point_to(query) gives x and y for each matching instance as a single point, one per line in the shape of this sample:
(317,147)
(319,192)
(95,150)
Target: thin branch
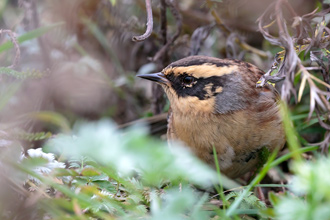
(198,37)
(254,50)
(163,29)
(175,11)
(150,24)
(163,21)
(158,100)
(324,145)
(16,46)
(307,41)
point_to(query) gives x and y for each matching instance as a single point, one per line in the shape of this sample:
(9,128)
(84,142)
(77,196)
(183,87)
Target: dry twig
(198,38)
(163,21)
(175,11)
(16,47)
(308,35)
(150,24)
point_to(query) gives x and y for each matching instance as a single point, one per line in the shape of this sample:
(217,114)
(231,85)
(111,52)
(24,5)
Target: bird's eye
(187,80)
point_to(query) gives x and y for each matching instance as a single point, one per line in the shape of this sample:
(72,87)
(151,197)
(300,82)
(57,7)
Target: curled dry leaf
(308,34)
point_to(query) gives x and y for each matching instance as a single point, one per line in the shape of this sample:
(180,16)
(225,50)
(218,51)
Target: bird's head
(200,84)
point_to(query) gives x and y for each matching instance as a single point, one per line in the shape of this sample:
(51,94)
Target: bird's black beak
(156,77)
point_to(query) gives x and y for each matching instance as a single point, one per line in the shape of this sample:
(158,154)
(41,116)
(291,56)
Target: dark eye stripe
(199,87)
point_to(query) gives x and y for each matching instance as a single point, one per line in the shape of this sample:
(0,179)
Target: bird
(214,103)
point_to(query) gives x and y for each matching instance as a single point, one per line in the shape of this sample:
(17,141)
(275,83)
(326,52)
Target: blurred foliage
(112,173)
(310,183)
(65,65)
(128,175)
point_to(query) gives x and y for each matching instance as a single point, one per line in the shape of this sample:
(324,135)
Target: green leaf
(273,198)
(29,36)
(141,209)
(249,201)
(105,185)
(175,204)
(268,213)
(131,152)
(55,205)
(89,172)
(113,2)
(64,172)
(89,190)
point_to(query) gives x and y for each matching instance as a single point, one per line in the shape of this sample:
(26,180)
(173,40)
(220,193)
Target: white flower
(46,168)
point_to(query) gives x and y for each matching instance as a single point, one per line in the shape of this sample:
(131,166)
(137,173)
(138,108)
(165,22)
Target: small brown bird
(215,102)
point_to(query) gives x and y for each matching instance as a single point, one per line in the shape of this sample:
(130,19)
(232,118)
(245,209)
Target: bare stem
(254,50)
(309,40)
(163,29)
(163,23)
(150,24)
(175,11)
(16,46)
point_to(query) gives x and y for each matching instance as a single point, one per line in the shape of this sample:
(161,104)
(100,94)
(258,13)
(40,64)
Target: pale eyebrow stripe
(206,70)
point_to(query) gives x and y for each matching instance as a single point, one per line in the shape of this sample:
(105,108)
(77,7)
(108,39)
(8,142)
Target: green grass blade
(220,191)
(271,163)
(234,206)
(29,36)
(81,197)
(289,155)
(290,132)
